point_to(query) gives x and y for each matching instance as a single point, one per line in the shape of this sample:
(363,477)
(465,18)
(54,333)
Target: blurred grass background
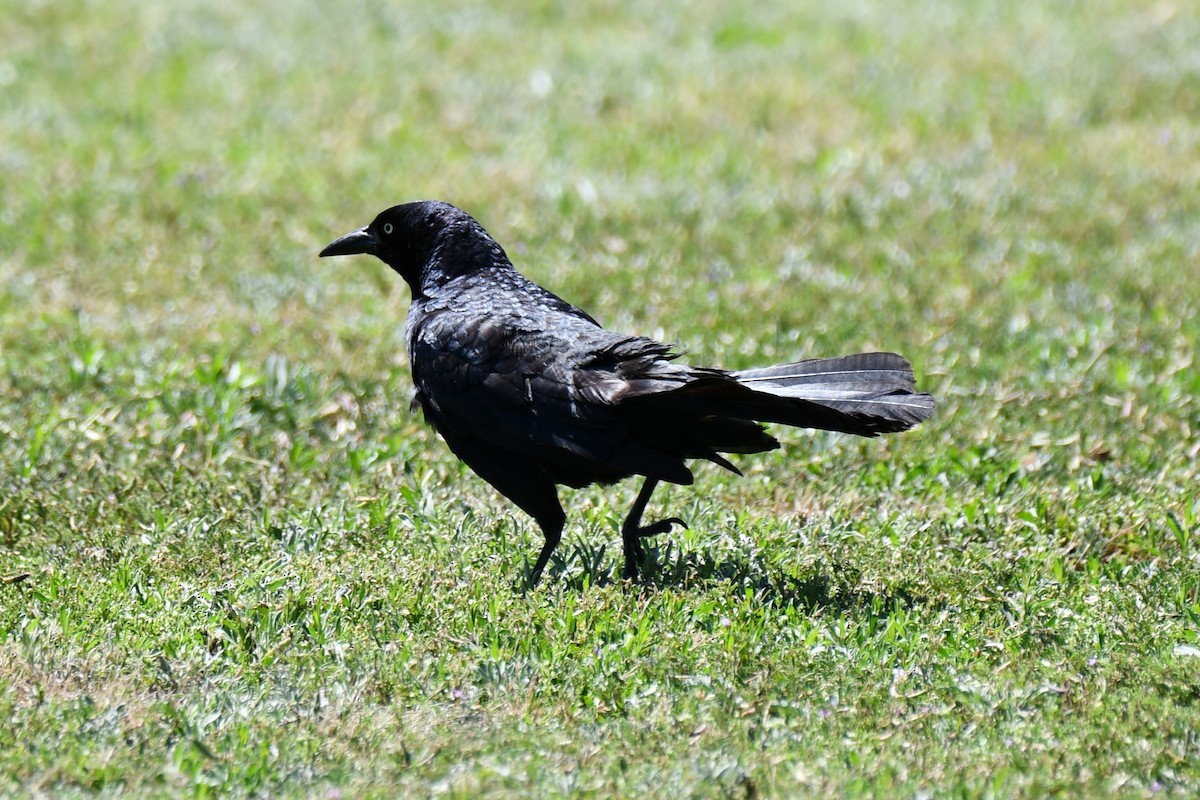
(233,562)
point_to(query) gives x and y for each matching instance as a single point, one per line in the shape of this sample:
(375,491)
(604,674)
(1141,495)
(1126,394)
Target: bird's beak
(353,243)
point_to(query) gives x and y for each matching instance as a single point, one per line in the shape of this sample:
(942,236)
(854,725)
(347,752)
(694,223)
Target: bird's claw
(633,545)
(662,526)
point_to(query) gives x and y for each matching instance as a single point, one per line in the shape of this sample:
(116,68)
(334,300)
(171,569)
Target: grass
(233,563)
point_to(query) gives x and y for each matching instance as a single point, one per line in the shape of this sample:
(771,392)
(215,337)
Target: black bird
(531,392)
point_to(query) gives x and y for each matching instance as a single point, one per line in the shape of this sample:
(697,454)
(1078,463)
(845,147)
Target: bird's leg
(632,530)
(551,525)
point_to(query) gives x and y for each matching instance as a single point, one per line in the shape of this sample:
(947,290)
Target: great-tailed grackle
(530,392)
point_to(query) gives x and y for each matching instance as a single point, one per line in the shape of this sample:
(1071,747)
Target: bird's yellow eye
(387,228)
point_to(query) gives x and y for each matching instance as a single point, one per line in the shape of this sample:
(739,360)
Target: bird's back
(507,365)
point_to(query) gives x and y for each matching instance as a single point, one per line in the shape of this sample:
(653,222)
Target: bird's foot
(662,526)
(632,536)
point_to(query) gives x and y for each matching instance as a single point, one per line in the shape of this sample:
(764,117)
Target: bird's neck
(453,259)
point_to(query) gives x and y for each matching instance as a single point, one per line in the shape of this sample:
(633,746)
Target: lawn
(233,562)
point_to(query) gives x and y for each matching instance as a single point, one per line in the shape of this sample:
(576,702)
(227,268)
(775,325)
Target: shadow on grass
(668,567)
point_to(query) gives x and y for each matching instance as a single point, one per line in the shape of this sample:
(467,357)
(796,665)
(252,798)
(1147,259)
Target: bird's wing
(524,390)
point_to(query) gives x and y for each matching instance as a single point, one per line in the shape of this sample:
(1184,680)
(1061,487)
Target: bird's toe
(662,526)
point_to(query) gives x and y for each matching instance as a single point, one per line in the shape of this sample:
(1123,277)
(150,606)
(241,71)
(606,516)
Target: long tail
(714,411)
(720,412)
(870,393)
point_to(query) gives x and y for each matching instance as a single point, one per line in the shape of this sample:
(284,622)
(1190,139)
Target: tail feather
(875,390)
(882,370)
(715,412)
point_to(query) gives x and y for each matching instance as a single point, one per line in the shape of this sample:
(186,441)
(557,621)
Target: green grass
(232,561)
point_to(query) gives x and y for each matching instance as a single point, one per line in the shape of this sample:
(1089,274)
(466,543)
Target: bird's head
(427,242)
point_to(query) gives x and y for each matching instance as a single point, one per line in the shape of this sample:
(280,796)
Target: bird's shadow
(669,567)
